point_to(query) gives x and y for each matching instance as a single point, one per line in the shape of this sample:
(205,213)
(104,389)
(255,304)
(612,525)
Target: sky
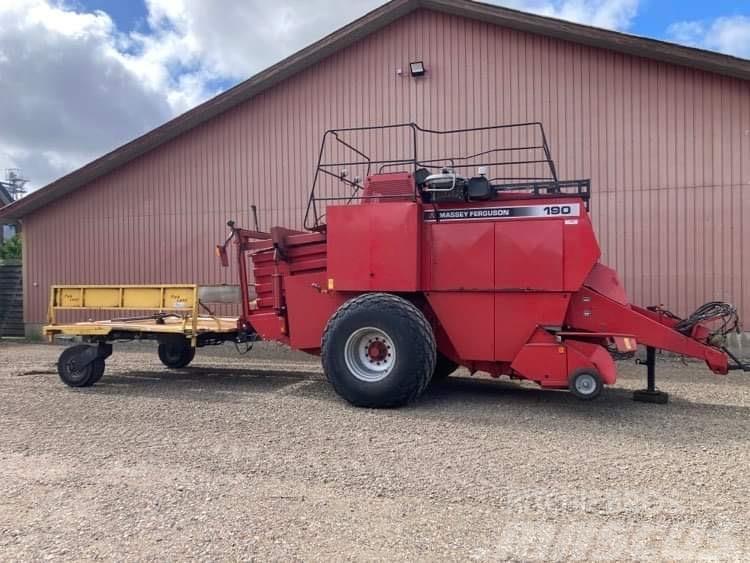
(81,77)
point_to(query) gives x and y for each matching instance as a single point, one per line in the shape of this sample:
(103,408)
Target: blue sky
(129,15)
(660,19)
(90,75)
(655,16)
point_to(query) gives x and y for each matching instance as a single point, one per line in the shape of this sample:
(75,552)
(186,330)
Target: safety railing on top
(519,158)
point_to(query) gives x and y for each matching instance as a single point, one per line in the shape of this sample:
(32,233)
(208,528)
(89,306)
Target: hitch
(739,365)
(651,394)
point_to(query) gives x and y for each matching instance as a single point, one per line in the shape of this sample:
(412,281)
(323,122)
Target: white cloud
(75,87)
(235,39)
(610,14)
(730,35)
(67,94)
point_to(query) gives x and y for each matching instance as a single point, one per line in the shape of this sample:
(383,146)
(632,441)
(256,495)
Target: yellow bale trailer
(176,315)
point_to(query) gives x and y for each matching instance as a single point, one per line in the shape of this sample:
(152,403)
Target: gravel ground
(238,458)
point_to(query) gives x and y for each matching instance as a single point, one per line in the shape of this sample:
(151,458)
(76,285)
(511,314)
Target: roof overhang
(373,21)
(5,198)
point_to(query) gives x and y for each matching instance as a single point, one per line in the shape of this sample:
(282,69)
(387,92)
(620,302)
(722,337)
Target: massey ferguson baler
(433,262)
(467,251)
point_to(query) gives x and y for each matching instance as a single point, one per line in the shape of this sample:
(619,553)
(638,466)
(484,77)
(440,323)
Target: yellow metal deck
(170,325)
(179,302)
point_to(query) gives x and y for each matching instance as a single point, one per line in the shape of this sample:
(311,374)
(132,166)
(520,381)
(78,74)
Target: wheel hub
(585,384)
(377,350)
(74,368)
(370,354)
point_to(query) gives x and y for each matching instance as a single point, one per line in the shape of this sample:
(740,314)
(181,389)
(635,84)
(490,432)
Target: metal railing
(535,155)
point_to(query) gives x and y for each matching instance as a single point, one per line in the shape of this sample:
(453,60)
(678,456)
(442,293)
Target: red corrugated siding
(667,148)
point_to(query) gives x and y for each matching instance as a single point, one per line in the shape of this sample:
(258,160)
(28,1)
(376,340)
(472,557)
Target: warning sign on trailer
(507,212)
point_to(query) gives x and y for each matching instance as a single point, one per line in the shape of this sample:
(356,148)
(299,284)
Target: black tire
(72,373)
(406,351)
(585,384)
(444,367)
(98,366)
(176,353)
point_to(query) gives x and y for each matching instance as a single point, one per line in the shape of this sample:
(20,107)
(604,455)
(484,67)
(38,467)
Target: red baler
(483,259)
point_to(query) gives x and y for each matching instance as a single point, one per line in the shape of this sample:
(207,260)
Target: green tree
(11,249)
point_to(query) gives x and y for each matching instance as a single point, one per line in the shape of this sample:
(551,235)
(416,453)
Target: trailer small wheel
(378,350)
(98,366)
(444,367)
(176,353)
(585,384)
(76,370)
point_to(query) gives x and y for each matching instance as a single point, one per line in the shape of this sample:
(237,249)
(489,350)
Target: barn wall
(667,149)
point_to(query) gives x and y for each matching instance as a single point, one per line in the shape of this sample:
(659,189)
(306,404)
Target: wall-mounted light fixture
(417,68)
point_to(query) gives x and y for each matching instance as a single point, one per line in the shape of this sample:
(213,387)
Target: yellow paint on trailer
(169,326)
(102,297)
(141,297)
(179,301)
(80,330)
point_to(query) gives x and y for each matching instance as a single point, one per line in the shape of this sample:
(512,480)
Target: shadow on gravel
(205,384)
(613,400)
(680,421)
(479,401)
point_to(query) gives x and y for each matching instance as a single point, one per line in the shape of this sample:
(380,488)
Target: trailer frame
(168,313)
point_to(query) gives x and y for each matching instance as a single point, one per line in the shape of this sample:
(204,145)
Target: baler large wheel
(378,351)
(176,353)
(444,367)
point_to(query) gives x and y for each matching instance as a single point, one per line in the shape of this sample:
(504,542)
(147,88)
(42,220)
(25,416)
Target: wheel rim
(585,384)
(173,354)
(370,354)
(74,371)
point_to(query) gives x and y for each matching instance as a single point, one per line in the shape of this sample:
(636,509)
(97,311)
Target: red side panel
(581,251)
(277,262)
(309,309)
(348,246)
(517,316)
(533,248)
(269,325)
(543,363)
(583,355)
(542,359)
(495,326)
(374,247)
(462,256)
(604,280)
(551,363)
(529,255)
(467,319)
